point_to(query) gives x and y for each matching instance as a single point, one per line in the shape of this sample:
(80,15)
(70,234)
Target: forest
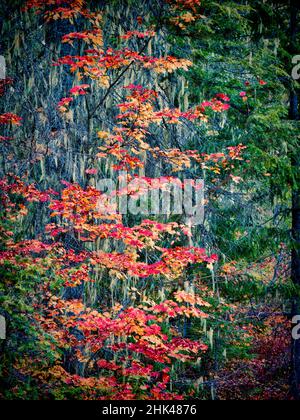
(149,200)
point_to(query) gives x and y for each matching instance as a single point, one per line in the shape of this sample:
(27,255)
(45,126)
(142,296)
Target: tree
(294,115)
(113,104)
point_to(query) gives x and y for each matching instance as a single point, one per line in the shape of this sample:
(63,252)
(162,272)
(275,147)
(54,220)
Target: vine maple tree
(112,302)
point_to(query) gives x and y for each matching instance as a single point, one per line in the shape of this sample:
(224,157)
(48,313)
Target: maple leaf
(79,90)
(9,118)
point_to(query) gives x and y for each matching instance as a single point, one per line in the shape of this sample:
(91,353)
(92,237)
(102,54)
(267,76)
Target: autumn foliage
(143,323)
